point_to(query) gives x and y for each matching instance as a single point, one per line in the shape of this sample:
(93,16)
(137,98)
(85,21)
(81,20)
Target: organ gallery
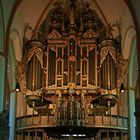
(70,76)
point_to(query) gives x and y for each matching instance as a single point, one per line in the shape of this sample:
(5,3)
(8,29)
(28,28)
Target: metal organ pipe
(107,70)
(35,66)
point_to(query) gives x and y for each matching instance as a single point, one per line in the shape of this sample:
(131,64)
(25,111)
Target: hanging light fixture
(122,88)
(17,88)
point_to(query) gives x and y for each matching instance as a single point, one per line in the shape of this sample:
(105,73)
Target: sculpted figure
(71,17)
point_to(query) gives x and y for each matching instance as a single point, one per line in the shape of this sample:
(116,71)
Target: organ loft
(70,76)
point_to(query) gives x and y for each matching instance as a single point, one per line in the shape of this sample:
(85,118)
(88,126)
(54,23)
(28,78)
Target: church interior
(69,70)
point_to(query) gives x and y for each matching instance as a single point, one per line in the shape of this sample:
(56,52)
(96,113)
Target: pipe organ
(70,77)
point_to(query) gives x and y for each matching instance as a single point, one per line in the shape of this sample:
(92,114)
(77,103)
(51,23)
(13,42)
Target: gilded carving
(35,51)
(37,92)
(87,42)
(54,35)
(21,74)
(90,34)
(122,70)
(105,51)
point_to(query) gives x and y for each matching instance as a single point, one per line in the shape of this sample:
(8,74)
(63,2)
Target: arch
(127,41)
(1,30)
(11,63)
(17,44)
(133,54)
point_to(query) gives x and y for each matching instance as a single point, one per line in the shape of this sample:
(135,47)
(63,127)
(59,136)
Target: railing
(107,121)
(35,121)
(94,121)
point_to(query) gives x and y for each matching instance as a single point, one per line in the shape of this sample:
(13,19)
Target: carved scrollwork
(37,92)
(105,51)
(90,34)
(122,70)
(36,51)
(54,35)
(21,68)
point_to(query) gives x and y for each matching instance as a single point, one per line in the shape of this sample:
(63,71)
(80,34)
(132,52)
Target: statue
(71,17)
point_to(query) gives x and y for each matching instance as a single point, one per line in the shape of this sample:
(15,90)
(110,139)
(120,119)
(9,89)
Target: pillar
(2,79)
(137,115)
(4,129)
(137,103)
(131,117)
(12,116)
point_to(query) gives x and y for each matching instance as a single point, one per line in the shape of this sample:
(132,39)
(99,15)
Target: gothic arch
(128,41)
(1,30)
(132,64)
(17,45)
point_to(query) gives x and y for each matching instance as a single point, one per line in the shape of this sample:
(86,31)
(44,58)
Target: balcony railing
(94,121)
(107,121)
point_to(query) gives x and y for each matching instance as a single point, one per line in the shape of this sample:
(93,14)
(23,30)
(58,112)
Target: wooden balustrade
(107,121)
(94,121)
(35,121)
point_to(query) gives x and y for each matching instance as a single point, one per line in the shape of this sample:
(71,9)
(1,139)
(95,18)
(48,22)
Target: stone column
(12,116)
(137,103)
(137,115)
(2,79)
(4,129)
(131,117)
